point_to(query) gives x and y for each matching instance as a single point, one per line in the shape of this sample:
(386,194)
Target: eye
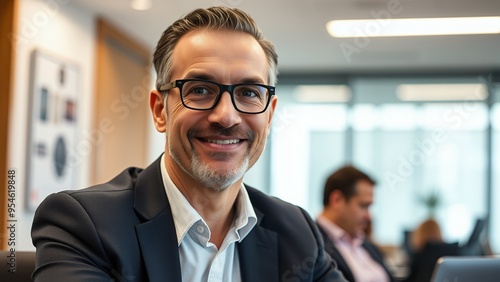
(249,91)
(199,90)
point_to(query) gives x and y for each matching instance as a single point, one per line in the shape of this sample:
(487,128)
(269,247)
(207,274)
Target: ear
(272,107)
(336,198)
(158,110)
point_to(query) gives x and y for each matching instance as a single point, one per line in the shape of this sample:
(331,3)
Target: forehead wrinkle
(197,59)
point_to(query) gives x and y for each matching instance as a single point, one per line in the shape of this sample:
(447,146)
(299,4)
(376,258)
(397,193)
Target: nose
(224,113)
(368,216)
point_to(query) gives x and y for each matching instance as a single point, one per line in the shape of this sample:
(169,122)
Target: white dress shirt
(363,267)
(200,259)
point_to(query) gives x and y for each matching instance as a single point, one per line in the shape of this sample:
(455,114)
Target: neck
(329,215)
(217,208)
(332,217)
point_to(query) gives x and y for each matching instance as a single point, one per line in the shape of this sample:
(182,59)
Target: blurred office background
(420,114)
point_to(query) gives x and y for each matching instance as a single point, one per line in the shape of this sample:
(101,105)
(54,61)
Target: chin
(216,179)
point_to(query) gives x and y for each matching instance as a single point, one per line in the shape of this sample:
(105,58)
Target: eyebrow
(199,76)
(209,77)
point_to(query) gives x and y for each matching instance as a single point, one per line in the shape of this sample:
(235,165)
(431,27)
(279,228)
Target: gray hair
(214,18)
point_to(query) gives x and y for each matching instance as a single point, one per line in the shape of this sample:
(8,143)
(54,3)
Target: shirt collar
(185,216)
(246,218)
(336,233)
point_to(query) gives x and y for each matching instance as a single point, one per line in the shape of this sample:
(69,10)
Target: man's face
(216,147)
(354,213)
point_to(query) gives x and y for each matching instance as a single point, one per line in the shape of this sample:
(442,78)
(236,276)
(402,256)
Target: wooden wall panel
(8,20)
(121,104)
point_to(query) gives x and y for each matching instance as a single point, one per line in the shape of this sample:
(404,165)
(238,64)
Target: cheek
(174,114)
(174,109)
(356,213)
(259,128)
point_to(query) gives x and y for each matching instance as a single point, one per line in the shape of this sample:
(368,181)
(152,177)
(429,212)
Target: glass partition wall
(495,162)
(425,140)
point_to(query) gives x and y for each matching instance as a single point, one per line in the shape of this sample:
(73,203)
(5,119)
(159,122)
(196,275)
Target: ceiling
(297,28)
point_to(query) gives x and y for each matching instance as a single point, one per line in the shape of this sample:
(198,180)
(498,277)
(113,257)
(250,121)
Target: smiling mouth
(222,142)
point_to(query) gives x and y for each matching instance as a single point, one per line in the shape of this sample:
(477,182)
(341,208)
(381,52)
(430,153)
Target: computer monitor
(406,246)
(467,269)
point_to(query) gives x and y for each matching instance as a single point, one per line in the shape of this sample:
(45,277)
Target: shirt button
(200,229)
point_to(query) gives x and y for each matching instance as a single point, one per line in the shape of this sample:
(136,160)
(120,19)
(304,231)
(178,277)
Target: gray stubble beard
(213,179)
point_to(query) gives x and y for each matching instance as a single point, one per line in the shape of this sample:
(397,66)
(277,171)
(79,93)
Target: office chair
(23,264)
(423,262)
(476,245)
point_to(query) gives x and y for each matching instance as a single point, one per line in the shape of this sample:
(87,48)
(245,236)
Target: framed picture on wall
(53,124)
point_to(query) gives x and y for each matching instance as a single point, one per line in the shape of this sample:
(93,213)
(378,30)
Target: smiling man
(188,216)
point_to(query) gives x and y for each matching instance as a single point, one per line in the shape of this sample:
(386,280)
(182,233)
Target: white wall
(61,28)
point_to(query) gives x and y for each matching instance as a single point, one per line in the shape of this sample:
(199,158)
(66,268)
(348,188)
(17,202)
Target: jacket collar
(156,233)
(150,198)
(259,250)
(335,254)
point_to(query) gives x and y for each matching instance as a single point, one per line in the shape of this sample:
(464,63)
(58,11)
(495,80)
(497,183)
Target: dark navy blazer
(123,230)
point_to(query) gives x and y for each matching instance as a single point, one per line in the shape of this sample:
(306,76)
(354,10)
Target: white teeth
(223,142)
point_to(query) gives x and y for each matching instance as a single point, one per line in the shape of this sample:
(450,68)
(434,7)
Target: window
(414,149)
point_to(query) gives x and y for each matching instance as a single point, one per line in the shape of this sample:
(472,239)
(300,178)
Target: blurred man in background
(347,197)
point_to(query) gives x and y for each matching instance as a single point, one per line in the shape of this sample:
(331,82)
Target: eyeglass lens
(203,95)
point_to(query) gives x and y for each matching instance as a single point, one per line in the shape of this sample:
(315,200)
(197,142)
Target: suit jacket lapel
(258,254)
(376,256)
(334,253)
(371,252)
(156,235)
(340,261)
(159,249)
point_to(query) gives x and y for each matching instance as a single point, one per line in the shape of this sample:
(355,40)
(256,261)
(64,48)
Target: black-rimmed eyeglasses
(198,94)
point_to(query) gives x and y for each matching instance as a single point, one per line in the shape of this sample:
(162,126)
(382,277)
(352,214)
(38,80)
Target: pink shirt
(361,264)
